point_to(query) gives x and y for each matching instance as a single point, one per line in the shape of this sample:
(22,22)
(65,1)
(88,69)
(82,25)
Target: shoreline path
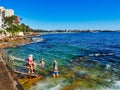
(6,80)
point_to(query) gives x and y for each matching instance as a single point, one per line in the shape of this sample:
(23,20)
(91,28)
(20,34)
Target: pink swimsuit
(29,60)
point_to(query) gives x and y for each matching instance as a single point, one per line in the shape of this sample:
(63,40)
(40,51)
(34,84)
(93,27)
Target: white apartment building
(1,17)
(5,13)
(0,21)
(1,9)
(9,12)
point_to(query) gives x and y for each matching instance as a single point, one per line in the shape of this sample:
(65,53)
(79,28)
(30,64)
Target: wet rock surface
(13,42)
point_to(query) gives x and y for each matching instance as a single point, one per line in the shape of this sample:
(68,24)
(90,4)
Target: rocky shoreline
(16,40)
(13,42)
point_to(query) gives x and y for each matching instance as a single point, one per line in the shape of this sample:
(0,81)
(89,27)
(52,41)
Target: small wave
(101,54)
(45,86)
(56,87)
(108,66)
(49,84)
(116,86)
(37,39)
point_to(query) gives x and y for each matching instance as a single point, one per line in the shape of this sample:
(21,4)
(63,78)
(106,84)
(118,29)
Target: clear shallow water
(95,50)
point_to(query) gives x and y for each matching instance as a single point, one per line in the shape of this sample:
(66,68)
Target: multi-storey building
(5,13)
(0,21)
(9,12)
(1,17)
(16,20)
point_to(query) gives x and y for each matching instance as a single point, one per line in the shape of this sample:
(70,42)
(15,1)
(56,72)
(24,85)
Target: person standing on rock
(30,63)
(55,68)
(34,66)
(42,64)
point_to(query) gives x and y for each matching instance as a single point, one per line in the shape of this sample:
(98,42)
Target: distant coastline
(72,31)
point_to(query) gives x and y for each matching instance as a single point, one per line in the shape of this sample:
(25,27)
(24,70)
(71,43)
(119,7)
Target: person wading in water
(55,68)
(30,63)
(42,64)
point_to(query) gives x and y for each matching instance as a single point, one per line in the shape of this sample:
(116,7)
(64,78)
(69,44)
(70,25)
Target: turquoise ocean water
(99,50)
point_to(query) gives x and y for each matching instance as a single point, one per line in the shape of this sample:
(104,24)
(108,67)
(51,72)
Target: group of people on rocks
(32,66)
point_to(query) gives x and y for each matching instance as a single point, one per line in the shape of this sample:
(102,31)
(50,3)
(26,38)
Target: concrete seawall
(7,81)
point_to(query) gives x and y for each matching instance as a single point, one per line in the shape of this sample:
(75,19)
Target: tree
(9,20)
(23,27)
(14,29)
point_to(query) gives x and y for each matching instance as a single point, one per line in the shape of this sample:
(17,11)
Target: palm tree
(20,19)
